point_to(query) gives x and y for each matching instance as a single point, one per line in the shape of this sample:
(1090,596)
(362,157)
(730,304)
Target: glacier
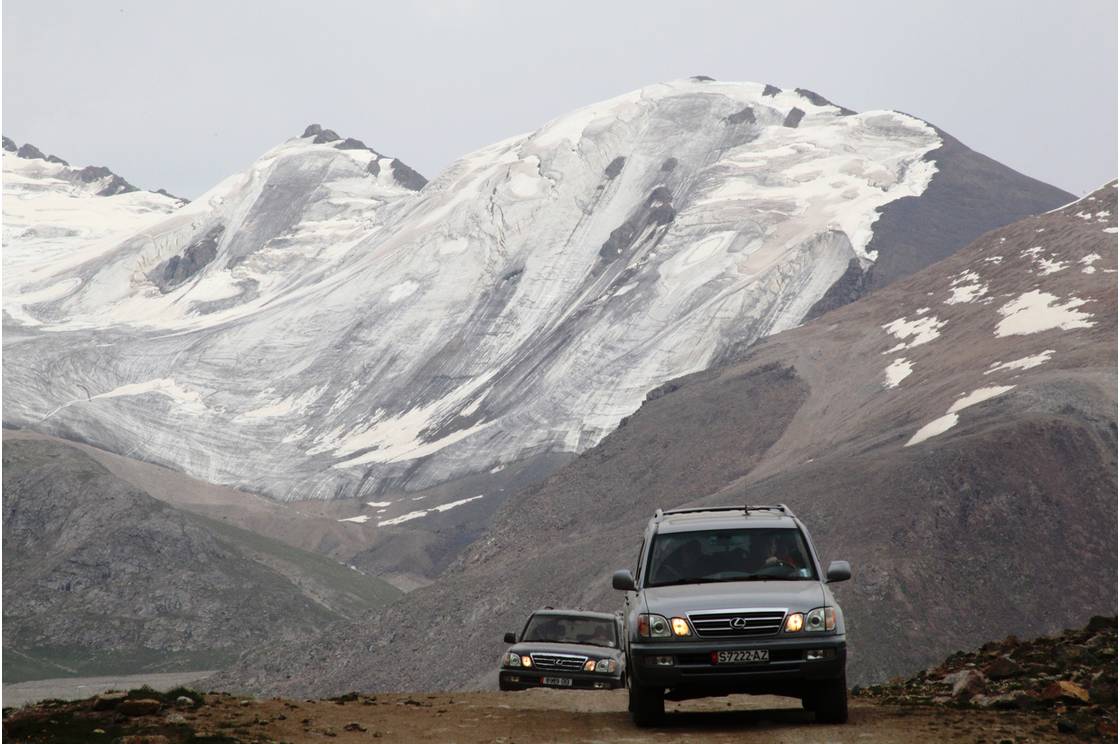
(326,325)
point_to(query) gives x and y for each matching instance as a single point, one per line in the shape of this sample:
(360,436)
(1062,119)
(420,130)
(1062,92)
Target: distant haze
(182,94)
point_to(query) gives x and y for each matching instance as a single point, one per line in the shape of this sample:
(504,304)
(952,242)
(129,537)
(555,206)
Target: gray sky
(180,94)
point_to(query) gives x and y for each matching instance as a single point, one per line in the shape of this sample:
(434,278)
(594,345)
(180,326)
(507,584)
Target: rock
(1102,690)
(139,707)
(793,118)
(326,135)
(108,700)
(407,177)
(30,152)
(56,159)
(184,702)
(352,144)
(354,726)
(9,145)
(1002,668)
(1065,690)
(312,130)
(99,731)
(245,703)
(968,685)
(144,739)
(1067,726)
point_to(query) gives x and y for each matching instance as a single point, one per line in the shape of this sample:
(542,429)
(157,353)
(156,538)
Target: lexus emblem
(739,623)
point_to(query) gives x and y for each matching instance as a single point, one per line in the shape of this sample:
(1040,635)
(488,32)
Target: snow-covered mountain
(320,325)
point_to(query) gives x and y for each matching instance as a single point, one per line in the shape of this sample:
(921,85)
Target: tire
(830,701)
(647,705)
(809,699)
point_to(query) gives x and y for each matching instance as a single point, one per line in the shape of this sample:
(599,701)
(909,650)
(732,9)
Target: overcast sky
(180,94)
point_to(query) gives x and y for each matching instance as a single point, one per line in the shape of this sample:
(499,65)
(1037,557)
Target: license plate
(753,656)
(557,681)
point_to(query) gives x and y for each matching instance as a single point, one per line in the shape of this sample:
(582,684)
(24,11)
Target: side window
(641,558)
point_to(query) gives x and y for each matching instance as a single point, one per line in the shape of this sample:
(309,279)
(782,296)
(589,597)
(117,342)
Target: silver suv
(732,600)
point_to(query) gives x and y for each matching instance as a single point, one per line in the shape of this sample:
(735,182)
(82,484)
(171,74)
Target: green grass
(27,664)
(357,593)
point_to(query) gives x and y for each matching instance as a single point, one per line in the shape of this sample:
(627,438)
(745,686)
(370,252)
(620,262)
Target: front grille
(718,624)
(558,662)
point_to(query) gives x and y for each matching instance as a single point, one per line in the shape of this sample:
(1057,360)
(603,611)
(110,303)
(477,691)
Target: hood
(796,596)
(572,649)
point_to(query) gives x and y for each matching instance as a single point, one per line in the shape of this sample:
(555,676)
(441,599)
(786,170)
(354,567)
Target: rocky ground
(532,716)
(1069,677)
(1056,688)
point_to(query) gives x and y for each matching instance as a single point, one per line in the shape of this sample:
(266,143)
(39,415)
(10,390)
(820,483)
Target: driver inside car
(784,551)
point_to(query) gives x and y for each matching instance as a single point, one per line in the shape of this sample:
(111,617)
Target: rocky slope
(99,577)
(315,327)
(953,435)
(1071,675)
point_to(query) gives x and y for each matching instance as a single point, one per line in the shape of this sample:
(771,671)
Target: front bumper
(691,668)
(525,679)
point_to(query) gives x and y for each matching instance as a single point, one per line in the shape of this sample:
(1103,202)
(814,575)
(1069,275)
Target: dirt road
(532,716)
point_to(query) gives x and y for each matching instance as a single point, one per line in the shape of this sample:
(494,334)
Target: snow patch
(1088,261)
(933,428)
(919,331)
(1036,311)
(978,396)
(362,519)
(1027,362)
(898,371)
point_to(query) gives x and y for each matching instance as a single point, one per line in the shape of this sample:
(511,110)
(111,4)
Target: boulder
(1065,691)
(108,700)
(968,685)
(139,707)
(1002,668)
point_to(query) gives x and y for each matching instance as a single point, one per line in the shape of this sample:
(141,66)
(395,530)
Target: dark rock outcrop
(312,130)
(326,135)
(614,167)
(178,269)
(746,116)
(9,145)
(407,177)
(793,118)
(771,90)
(29,151)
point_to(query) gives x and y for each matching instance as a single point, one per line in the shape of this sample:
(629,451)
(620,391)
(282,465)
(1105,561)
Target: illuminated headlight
(653,626)
(512,660)
(606,666)
(795,622)
(526,661)
(680,626)
(821,619)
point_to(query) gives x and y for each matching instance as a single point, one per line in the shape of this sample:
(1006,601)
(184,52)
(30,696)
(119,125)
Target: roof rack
(781,508)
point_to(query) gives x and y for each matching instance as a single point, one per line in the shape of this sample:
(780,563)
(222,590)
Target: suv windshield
(777,554)
(571,629)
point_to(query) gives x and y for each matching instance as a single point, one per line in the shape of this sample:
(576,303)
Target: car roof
(552,611)
(723,520)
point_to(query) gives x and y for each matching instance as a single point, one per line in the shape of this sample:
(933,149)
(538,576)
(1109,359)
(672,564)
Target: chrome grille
(718,623)
(558,662)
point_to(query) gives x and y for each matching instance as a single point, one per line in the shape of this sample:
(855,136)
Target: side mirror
(510,638)
(623,580)
(839,571)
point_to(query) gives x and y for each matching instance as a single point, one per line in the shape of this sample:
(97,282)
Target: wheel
(830,701)
(647,705)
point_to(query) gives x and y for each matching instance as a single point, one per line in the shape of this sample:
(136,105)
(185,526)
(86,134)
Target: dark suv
(572,649)
(732,600)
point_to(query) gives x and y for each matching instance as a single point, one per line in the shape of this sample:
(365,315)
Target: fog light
(601,685)
(659,661)
(817,654)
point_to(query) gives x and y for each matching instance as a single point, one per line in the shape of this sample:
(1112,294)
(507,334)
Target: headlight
(821,619)
(512,660)
(606,666)
(526,661)
(794,622)
(653,626)
(680,626)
